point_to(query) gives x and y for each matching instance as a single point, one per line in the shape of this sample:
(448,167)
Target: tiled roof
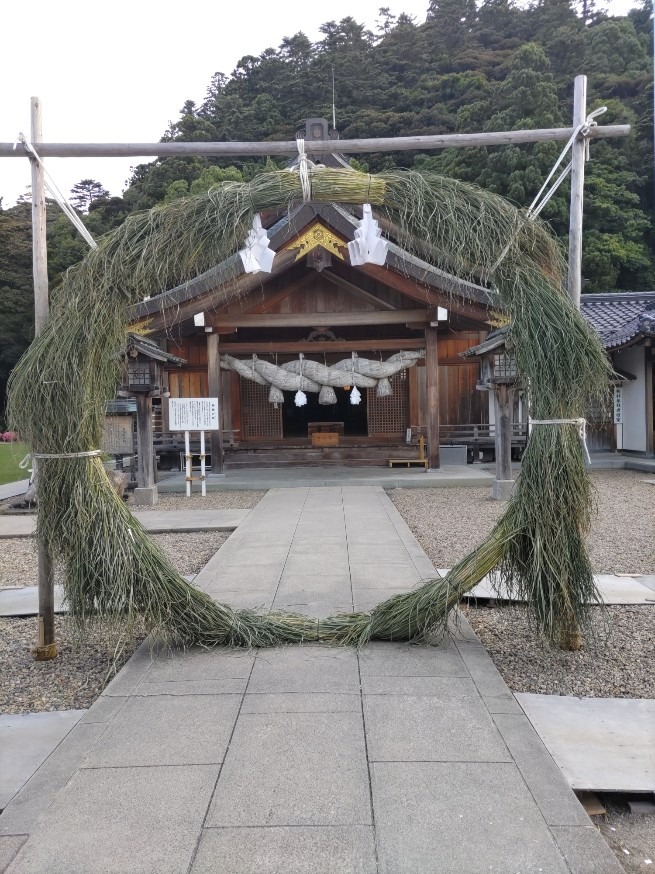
(620,316)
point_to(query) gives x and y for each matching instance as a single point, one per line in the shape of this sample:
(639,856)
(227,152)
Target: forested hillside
(469,67)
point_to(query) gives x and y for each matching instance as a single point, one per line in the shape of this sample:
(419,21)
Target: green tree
(85,192)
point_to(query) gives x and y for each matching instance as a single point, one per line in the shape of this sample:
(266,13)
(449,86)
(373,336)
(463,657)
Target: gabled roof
(620,317)
(214,287)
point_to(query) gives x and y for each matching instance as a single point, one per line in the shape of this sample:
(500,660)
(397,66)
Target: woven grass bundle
(60,387)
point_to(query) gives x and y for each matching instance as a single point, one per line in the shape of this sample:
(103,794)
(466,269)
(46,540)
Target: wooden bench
(412,462)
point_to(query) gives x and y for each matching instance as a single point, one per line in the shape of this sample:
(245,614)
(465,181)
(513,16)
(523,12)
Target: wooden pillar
(432,391)
(46,647)
(503,400)
(146,490)
(215,391)
(577,192)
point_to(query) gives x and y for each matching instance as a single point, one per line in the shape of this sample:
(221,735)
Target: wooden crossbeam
(382,144)
(311,320)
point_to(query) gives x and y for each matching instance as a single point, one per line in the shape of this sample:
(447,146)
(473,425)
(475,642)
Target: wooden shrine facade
(315,303)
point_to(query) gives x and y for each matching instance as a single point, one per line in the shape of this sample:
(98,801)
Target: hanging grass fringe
(59,389)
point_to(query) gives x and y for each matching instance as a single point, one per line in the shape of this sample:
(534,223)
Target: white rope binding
(51,185)
(90,454)
(303,170)
(582,431)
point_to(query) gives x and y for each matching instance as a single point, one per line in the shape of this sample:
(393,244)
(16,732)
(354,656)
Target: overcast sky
(120,71)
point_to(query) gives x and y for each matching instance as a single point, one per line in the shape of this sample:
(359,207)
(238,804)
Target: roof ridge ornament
(368,247)
(257,256)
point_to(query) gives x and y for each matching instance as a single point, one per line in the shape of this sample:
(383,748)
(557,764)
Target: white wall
(634,397)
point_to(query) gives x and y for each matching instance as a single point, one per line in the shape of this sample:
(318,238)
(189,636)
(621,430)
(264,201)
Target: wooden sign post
(194,414)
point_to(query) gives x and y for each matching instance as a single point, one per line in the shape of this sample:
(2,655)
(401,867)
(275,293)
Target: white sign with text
(193,414)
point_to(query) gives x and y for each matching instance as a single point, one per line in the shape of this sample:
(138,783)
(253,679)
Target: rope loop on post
(303,171)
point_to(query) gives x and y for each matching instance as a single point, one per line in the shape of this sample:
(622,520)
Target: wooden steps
(374,456)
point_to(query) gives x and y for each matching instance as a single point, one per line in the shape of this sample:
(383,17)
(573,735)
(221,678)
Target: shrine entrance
(343,418)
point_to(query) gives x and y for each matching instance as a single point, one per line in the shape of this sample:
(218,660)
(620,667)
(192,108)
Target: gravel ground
(621,539)
(618,663)
(71,681)
(188,552)
(631,836)
(237,500)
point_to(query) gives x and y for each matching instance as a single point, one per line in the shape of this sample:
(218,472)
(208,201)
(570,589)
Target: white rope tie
(90,454)
(303,170)
(539,203)
(51,185)
(582,430)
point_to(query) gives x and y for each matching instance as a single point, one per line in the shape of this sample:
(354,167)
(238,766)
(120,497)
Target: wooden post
(215,391)
(432,391)
(46,647)
(146,490)
(577,192)
(503,484)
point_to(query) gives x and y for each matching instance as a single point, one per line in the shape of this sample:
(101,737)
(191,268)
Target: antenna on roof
(334,111)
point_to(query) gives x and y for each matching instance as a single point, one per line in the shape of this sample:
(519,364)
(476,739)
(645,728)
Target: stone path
(154,521)
(397,759)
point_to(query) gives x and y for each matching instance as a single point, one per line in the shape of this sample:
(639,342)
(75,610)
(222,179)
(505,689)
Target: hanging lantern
(355,396)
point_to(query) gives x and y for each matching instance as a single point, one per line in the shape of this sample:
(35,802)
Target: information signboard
(117,435)
(193,414)
(618,405)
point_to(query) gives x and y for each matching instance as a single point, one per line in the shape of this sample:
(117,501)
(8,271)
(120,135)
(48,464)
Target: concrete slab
(154,521)
(26,741)
(382,659)
(449,818)
(451,725)
(305,669)
(168,730)
(321,850)
(155,815)
(301,702)
(12,490)
(290,769)
(614,589)
(25,601)
(9,846)
(602,744)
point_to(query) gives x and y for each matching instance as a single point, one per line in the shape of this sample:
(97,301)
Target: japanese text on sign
(618,405)
(193,414)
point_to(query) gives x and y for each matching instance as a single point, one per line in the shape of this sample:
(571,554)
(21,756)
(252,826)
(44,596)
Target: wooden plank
(290,347)
(235,402)
(215,391)
(412,396)
(273,299)
(503,402)
(432,396)
(427,296)
(381,144)
(357,291)
(313,319)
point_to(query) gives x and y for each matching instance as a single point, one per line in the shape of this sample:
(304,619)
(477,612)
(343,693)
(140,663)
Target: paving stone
(261,556)
(193,687)
(103,709)
(381,659)
(323,563)
(9,846)
(202,664)
(294,769)
(168,730)
(307,607)
(243,599)
(254,579)
(118,820)
(459,818)
(26,741)
(24,810)
(451,726)
(555,799)
(484,673)
(585,850)
(375,576)
(384,553)
(305,669)
(603,744)
(131,674)
(300,702)
(366,599)
(321,850)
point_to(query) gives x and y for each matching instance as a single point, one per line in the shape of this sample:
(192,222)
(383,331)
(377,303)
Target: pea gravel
(619,660)
(77,676)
